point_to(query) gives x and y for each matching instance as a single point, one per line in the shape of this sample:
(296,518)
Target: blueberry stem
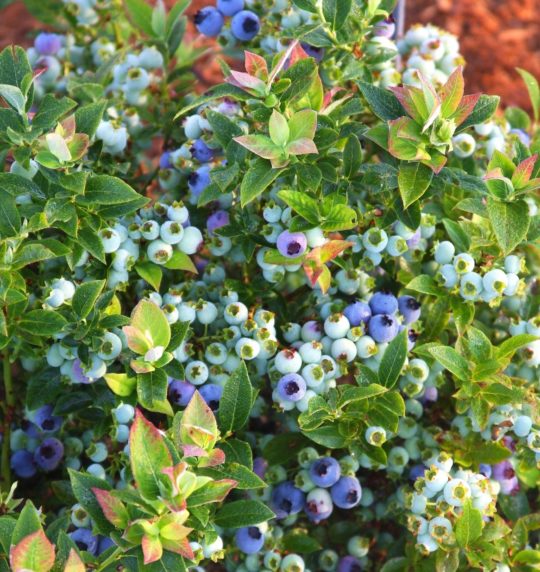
(10,405)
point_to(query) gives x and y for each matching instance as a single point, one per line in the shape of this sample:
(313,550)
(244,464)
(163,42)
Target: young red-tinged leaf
(523,172)
(260,145)
(435,112)
(302,125)
(412,100)
(193,451)
(436,161)
(33,553)
(431,96)
(325,279)
(465,108)
(174,531)
(149,318)
(255,65)
(152,548)
(248,82)
(78,145)
(149,456)
(213,459)
(74,562)
(403,138)
(137,340)
(297,53)
(313,270)
(198,425)
(452,92)
(181,547)
(113,508)
(278,128)
(333,248)
(281,63)
(302,147)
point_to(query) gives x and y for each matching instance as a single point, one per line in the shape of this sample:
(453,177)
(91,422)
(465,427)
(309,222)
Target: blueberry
(198,180)
(349,564)
(347,492)
(249,539)
(316,53)
(217,220)
(287,499)
(383,328)
(47,44)
(45,420)
(385,28)
(209,21)
(325,472)
(357,313)
(181,392)
(291,244)
(104,543)
(409,308)
(22,464)
(230,7)
(124,413)
(245,25)
(201,152)
(291,387)
(211,393)
(383,303)
(85,540)
(49,454)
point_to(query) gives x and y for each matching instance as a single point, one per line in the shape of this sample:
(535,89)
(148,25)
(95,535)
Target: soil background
(496,37)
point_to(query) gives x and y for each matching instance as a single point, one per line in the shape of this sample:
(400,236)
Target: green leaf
(393,360)
(50,111)
(90,241)
(533,89)
(413,181)
(278,129)
(88,117)
(457,235)
(257,178)
(152,391)
(335,12)
(302,203)
(107,190)
(149,319)
(245,478)
(150,273)
(510,222)
(181,261)
(223,128)
(426,285)
(485,107)
(85,297)
(512,344)
(283,447)
(214,491)
(140,14)
(10,220)
(235,402)
(82,485)
(28,522)
(300,543)
(198,424)
(352,156)
(13,96)
(327,436)
(452,361)
(382,102)
(42,322)
(149,455)
(242,513)
(468,525)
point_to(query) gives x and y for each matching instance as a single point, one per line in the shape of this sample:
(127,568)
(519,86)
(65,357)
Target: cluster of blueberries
(438,497)
(457,271)
(245,24)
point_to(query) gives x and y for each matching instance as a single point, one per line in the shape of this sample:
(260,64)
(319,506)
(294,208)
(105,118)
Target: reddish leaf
(260,145)
(244,80)
(255,65)
(34,552)
(302,147)
(403,95)
(523,172)
(452,92)
(281,63)
(152,549)
(465,108)
(435,162)
(74,562)
(112,507)
(298,53)
(181,547)
(215,458)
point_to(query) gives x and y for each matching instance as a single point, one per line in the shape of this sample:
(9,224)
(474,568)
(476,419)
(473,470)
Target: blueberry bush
(288,324)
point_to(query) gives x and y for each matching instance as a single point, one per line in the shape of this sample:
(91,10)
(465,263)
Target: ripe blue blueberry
(409,308)
(22,464)
(45,420)
(349,564)
(249,539)
(49,454)
(198,180)
(291,387)
(180,392)
(287,499)
(211,393)
(85,540)
(383,328)
(230,7)
(245,25)
(347,492)
(325,472)
(383,303)
(209,21)
(201,151)
(47,44)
